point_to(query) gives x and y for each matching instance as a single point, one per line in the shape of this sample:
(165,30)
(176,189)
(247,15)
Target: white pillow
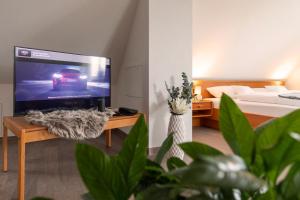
(239,89)
(217,91)
(276,88)
(260,90)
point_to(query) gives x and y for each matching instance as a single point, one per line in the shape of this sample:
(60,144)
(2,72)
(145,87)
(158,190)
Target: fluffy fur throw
(79,124)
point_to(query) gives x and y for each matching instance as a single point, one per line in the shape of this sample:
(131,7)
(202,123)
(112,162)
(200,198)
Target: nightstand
(201,109)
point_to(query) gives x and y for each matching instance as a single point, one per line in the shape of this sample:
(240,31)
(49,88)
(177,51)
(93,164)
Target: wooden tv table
(28,133)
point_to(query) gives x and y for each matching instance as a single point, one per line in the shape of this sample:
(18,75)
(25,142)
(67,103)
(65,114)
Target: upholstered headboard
(254,84)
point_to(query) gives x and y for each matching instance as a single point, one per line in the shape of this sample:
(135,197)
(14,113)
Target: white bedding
(266,109)
(270,98)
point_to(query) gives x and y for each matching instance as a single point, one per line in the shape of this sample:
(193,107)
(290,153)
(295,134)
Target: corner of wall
(293,81)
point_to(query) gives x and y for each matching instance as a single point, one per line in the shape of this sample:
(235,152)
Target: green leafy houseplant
(181,97)
(268,150)
(264,152)
(130,173)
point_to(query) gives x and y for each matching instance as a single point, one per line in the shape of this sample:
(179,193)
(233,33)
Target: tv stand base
(28,133)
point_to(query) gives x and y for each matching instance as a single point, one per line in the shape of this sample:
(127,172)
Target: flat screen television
(50,80)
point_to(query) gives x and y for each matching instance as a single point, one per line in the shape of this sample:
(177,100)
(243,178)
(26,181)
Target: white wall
(234,39)
(293,81)
(170,53)
(96,27)
(6,99)
(158,47)
(132,80)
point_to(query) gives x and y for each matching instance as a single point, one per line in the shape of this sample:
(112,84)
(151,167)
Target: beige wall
(119,29)
(159,49)
(132,80)
(6,99)
(234,39)
(293,81)
(96,27)
(170,53)
(132,90)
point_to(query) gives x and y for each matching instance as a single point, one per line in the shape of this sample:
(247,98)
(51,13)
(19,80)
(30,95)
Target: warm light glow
(278,82)
(197,90)
(283,71)
(202,67)
(206,55)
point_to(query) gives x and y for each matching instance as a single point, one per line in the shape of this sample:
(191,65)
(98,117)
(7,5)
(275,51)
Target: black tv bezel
(92,100)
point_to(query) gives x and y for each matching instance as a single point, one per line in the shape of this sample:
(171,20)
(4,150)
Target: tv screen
(51,80)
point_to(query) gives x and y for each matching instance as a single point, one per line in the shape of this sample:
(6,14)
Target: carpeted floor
(211,137)
(50,168)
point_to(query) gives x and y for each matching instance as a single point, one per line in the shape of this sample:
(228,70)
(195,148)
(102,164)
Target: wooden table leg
(4,148)
(107,138)
(21,144)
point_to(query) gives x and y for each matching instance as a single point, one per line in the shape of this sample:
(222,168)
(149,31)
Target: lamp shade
(197,90)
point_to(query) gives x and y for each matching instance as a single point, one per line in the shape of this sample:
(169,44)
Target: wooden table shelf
(199,116)
(28,133)
(200,110)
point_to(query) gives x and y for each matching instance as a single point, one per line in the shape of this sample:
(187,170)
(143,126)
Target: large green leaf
(114,177)
(274,158)
(174,163)
(225,172)
(258,167)
(271,194)
(196,150)
(132,158)
(292,154)
(100,173)
(290,187)
(277,144)
(236,129)
(164,149)
(271,132)
(152,174)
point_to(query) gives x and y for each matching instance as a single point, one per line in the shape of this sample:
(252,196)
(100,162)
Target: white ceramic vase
(177,127)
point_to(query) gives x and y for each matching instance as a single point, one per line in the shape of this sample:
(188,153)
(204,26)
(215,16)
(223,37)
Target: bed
(258,107)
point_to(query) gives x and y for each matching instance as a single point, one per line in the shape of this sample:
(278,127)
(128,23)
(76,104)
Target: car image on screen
(69,79)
